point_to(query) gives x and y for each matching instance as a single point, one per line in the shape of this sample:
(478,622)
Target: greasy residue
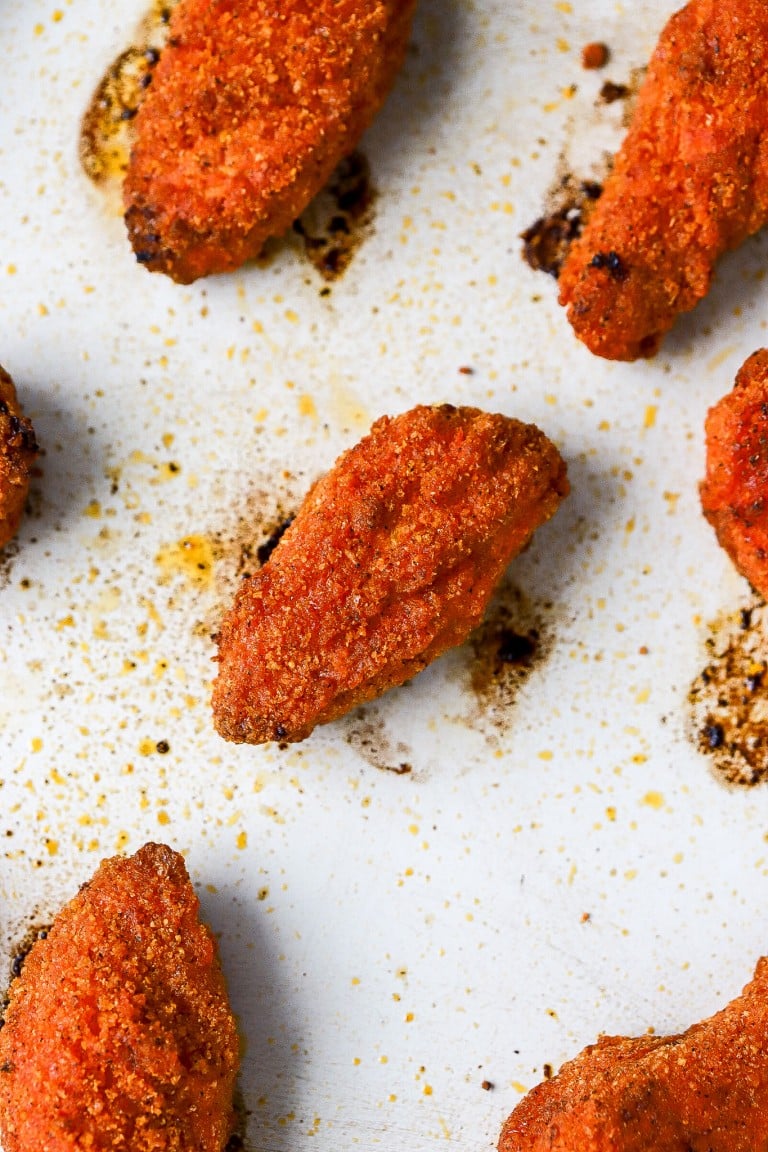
(192,557)
(512,640)
(238,1140)
(729,698)
(106,132)
(629,93)
(249,545)
(7,556)
(366,732)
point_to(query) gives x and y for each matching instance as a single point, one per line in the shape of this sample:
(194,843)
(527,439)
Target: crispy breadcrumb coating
(18,452)
(390,561)
(118,1034)
(250,109)
(689,182)
(705,1090)
(734,493)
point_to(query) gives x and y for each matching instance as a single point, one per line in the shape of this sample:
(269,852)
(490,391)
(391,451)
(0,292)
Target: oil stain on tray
(729,698)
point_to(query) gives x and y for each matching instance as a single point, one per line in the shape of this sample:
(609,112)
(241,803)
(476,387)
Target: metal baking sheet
(426,903)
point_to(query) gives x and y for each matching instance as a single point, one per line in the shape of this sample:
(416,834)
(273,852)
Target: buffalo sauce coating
(689,182)
(247,115)
(118,1033)
(734,493)
(18,451)
(390,561)
(705,1090)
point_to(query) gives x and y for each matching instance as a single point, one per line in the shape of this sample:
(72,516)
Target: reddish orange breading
(705,1090)
(249,111)
(18,451)
(118,1035)
(391,560)
(689,182)
(734,493)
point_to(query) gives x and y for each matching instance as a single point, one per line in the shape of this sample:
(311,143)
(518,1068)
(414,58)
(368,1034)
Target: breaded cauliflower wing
(390,561)
(705,1090)
(250,109)
(689,182)
(118,1036)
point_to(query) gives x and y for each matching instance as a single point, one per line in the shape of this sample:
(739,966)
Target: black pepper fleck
(715,735)
(612,263)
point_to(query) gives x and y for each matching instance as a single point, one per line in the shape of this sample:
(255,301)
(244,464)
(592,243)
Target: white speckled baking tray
(561,860)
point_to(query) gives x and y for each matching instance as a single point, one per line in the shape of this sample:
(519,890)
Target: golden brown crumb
(247,115)
(390,561)
(18,451)
(688,183)
(118,1034)
(594,55)
(705,1090)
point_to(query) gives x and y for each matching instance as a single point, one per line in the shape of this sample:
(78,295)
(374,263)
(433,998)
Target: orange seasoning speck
(594,55)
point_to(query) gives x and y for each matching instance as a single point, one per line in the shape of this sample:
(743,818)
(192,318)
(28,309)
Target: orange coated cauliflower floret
(118,1034)
(390,561)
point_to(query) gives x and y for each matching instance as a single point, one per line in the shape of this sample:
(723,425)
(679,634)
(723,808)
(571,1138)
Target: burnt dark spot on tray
(265,550)
(8,555)
(611,92)
(258,522)
(516,649)
(714,734)
(339,218)
(19,954)
(729,697)
(106,132)
(547,241)
(512,641)
(367,733)
(238,1140)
